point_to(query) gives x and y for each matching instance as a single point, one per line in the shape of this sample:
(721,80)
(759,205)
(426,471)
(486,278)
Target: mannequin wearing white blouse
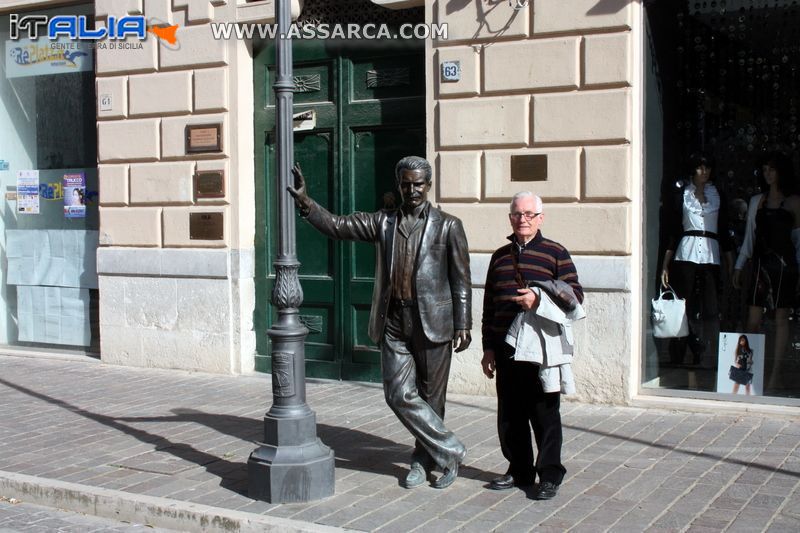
(699,244)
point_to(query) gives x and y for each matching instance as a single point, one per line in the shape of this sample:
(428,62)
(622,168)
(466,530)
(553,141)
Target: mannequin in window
(772,243)
(699,242)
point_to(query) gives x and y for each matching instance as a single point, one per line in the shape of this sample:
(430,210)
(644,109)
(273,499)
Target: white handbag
(669,316)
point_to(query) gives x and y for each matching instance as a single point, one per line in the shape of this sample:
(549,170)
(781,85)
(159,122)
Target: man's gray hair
(524,194)
(413,162)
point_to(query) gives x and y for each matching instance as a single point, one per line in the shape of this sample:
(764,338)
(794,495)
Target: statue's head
(413,176)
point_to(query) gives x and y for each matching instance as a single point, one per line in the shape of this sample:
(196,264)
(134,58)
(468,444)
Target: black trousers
(415,373)
(700,286)
(522,404)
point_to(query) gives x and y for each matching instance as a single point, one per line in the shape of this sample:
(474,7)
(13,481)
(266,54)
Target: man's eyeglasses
(529,215)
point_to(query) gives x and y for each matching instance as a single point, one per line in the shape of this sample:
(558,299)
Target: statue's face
(413,187)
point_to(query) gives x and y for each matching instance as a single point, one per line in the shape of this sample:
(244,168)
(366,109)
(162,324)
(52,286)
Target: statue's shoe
(415,477)
(449,476)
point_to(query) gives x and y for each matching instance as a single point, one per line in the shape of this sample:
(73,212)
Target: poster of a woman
(75,195)
(741,363)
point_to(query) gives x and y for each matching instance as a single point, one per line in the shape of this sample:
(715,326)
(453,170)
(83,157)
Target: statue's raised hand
(298,192)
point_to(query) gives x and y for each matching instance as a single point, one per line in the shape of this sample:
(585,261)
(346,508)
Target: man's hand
(527,299)
(488,363)
(298,192)
(461,340)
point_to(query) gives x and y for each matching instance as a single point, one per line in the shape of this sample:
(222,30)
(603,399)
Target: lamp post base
(293,465)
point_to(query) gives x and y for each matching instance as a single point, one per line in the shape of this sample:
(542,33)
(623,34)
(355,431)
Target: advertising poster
(28,192)
(75,195)
(25,57)
(741,363)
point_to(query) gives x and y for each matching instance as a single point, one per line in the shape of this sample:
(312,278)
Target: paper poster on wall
(741,363)
(28,192)
(75,195)
(25,57)
(54,315)
(63,258)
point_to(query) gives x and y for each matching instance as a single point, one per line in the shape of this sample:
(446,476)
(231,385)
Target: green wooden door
(367,109)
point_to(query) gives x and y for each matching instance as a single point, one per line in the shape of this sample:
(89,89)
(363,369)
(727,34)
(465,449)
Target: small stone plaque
(209,184)
(203,138)
(206,226)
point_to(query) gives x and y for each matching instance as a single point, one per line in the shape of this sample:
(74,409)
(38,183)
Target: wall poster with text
(28,192)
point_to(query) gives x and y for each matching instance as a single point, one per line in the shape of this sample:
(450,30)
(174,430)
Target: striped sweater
(541,259)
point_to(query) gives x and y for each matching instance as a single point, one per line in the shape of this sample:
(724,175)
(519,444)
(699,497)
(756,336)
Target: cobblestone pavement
(187,436)
(24,517)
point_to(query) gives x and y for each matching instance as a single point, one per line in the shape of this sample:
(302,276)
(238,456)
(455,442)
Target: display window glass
(722,101)
(48,191)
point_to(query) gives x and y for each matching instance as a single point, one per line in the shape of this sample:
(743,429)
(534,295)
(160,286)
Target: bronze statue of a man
(421,307)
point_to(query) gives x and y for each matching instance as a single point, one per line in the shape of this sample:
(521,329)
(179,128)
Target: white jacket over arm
(543,336)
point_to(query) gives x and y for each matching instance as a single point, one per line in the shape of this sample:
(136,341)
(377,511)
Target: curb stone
(136,508)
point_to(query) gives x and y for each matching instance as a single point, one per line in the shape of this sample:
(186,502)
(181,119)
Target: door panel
(364,125)
(317,253)
(384,121)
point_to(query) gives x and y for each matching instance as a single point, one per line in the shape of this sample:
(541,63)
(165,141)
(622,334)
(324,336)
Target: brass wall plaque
(203,138)
(529,167)
(206,226)
(209,184)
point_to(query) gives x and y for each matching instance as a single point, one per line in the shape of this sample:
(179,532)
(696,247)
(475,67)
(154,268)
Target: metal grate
(356,11)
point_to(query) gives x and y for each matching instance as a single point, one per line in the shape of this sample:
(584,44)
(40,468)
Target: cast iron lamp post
(292,464)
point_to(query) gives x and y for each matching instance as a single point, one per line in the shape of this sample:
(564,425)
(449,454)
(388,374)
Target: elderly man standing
(529,260)
(421,307)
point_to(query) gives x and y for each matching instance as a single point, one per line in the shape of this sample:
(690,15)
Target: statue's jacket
(441,274)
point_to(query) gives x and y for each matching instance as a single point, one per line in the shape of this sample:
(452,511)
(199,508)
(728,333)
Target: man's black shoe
(547,491)
(503,482)
(506,481)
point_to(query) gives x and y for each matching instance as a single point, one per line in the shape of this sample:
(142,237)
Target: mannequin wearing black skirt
(772,244)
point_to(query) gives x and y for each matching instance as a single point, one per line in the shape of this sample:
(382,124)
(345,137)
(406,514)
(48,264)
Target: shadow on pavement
(354,449)
(233,475)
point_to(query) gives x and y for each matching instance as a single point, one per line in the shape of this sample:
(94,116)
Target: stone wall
(167,300)
(553,79)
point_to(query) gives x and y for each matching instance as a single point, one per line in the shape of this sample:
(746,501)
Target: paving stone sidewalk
(186,437)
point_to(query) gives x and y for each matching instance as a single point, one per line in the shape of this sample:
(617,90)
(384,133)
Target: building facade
(565,99)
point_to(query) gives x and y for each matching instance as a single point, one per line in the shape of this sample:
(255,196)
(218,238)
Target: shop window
(722,107)
(48,179)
